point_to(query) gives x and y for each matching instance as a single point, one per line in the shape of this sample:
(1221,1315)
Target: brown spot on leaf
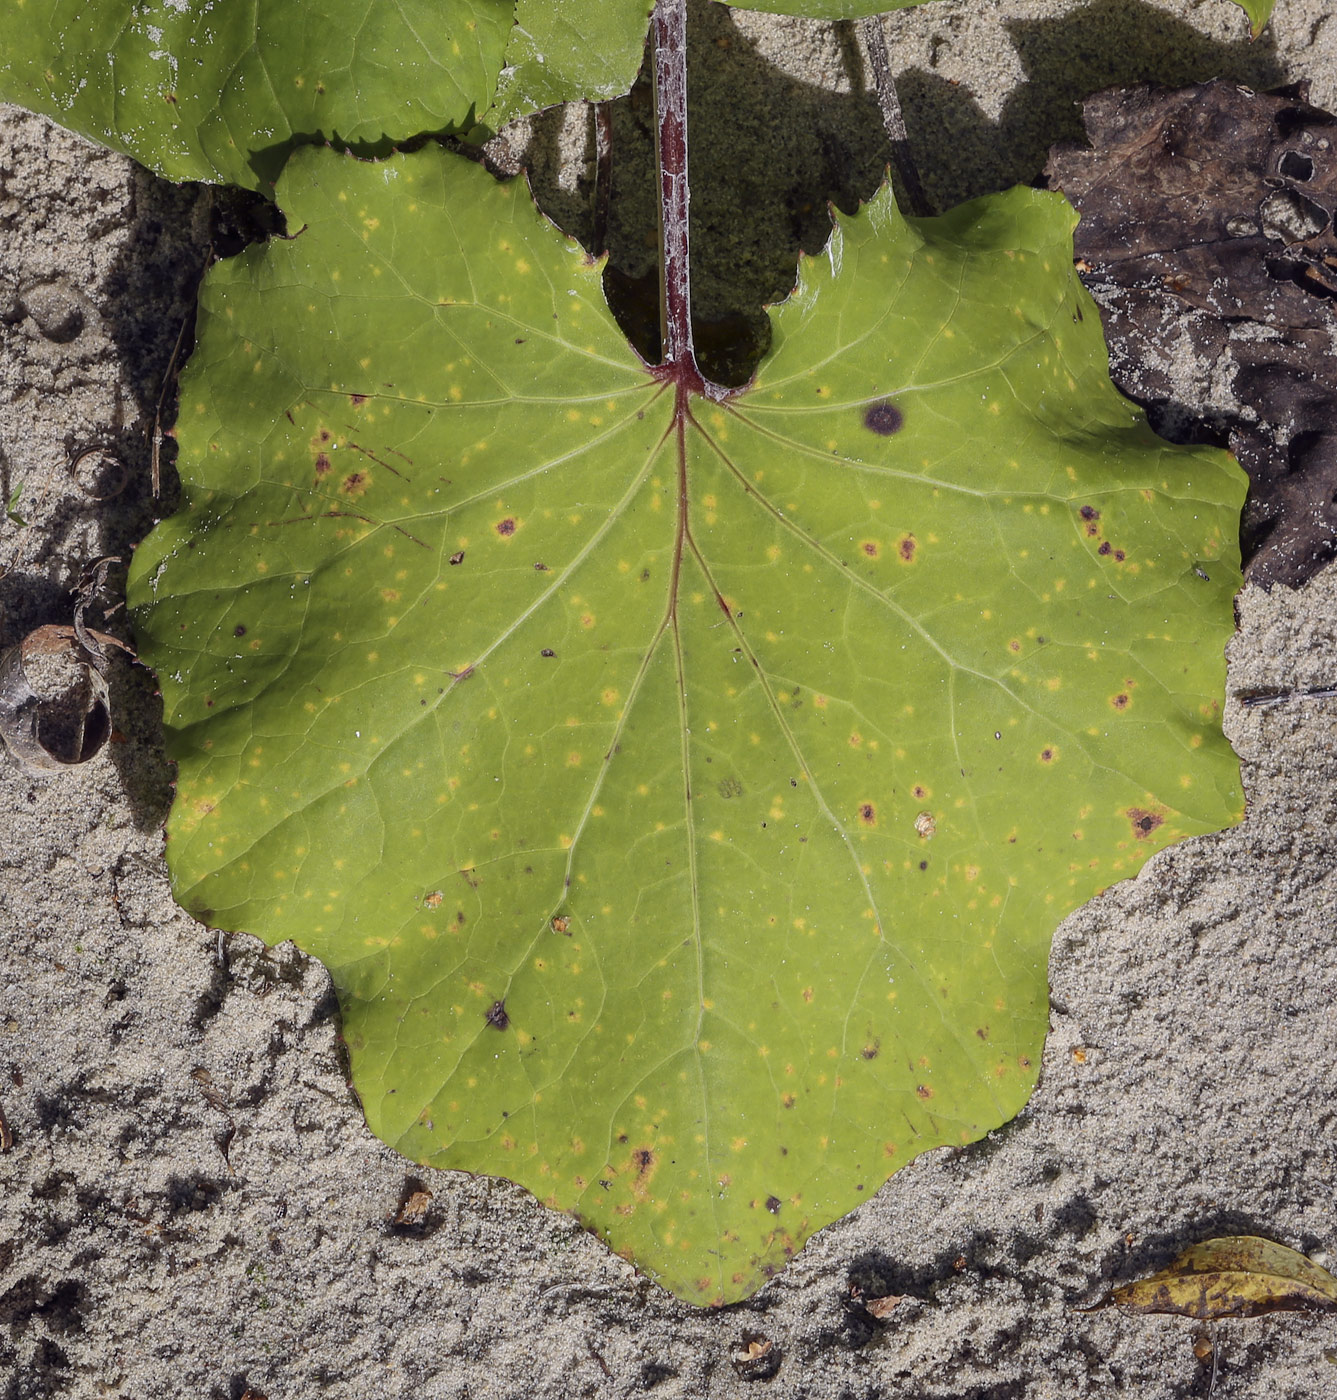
(788,1100)
(906,549)
(355,484)
(496,1015)
(1105,547)
(239,630)
(323,465)
(644,1160)
(883,418)
(1120,556)
(1119,701)
(869,547)
(1090,513)
(869,1052)
(1143,822)
(506,527)
(867,814)
(1046,755)
(923,1091)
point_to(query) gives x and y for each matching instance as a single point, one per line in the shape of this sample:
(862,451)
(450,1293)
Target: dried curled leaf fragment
(882,1308)
(54,710)
(1234,1276)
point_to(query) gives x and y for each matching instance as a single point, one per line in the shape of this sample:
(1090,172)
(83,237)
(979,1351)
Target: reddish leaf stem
(670,49)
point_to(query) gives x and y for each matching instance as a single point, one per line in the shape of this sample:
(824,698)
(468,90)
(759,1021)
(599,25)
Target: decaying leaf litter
(791,1354)
(1207,213)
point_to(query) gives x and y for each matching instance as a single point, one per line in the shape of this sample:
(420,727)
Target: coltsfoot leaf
(682,793)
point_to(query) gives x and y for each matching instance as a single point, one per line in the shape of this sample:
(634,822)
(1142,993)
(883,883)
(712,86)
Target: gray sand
(192,1205)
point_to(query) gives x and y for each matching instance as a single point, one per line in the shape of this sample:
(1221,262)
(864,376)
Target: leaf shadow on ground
(769,153)
(963,153)
(148,303)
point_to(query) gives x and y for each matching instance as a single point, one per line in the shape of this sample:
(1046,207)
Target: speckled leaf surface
(569,50)
(682,794)
(218,91)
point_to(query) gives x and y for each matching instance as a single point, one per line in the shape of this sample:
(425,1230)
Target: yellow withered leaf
(1235,1276)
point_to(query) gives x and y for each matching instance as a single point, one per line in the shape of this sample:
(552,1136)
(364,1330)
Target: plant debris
(882,1308)
(54,708)
(1234,1276)
(1207,219)
(756,1357)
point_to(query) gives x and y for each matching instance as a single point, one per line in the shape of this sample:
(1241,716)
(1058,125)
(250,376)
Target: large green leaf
(220,91)
(682,794)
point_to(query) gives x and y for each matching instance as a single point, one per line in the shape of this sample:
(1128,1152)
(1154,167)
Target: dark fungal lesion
(883,418)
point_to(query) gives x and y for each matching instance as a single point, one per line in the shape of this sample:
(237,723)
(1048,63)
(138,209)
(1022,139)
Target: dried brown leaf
(1207,223)
(413,1209)
(882,1308)
(1234,1276)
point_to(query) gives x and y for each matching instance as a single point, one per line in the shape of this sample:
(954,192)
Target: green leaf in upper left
(222,92)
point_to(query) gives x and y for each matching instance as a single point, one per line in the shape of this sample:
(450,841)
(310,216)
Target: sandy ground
(192,1205)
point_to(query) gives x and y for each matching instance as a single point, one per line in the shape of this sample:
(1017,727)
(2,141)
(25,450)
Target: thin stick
(603,174)
(670,34)
(1281,697)
(916,201)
